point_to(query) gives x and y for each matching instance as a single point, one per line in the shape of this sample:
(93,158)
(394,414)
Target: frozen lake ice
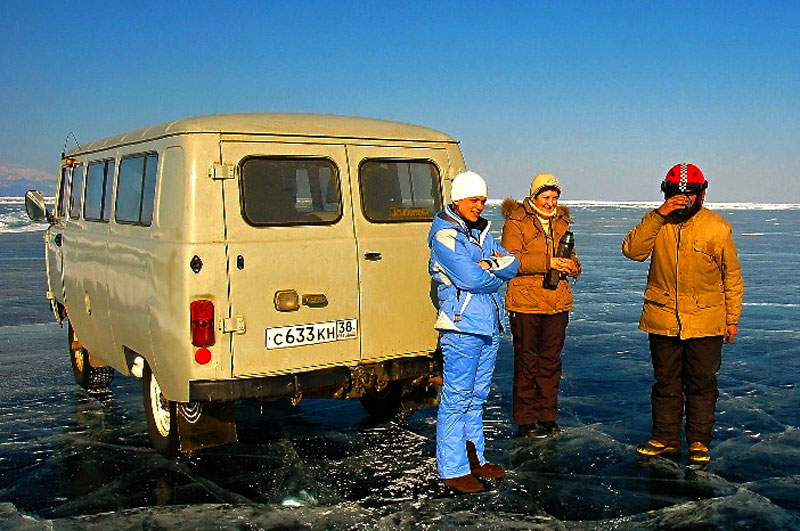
(72,461)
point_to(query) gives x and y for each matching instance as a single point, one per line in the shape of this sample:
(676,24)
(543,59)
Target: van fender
(182,427)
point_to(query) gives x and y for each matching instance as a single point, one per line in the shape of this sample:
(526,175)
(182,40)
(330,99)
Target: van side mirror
(35,206)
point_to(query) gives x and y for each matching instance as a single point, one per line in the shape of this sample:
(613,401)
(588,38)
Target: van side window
(95,203)
(76,195)
(66,173)
(136,187)
(289,191)
(397,190)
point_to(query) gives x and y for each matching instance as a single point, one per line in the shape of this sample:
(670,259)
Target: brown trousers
(685,371)
(538,340)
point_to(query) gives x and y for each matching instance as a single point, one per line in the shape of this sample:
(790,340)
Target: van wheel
(385,404)
(95,380)
(161,414)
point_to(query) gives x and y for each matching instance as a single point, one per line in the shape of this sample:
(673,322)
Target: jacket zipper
(677,275)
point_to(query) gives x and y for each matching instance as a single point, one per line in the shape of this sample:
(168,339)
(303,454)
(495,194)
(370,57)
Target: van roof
(281,124)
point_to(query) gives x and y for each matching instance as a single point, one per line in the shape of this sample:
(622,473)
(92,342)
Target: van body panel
(309,259)
(86,293)
(188,222)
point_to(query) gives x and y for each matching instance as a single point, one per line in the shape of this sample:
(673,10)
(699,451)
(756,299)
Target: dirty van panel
(292,257)
(399,191)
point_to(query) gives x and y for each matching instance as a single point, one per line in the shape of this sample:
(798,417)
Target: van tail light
(202,323)
(202,356)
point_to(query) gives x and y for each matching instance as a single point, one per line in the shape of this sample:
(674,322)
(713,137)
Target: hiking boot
(654,447)
(465,484)
(486,470)
(549,427)
(489,471)
(698,453)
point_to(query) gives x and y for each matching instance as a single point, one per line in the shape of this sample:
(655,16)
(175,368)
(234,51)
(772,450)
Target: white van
(253,256)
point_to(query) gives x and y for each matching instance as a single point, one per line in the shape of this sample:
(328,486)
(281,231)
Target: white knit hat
(468,184)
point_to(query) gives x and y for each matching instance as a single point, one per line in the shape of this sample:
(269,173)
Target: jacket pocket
(709,300)
(706,253)
(657,296)
(705,262)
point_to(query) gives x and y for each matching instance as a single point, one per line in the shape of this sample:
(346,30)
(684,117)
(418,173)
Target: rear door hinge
(222,170)
(232,325)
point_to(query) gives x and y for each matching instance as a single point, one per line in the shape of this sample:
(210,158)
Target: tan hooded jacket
(694,286)
(524,237)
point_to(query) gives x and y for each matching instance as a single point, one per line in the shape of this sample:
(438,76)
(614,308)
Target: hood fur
(508,206)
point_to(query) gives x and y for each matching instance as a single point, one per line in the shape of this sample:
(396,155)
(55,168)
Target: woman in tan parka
(538,315)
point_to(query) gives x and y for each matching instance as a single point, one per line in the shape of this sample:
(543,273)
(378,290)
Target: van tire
(96,380)
(385,404)
(161,414)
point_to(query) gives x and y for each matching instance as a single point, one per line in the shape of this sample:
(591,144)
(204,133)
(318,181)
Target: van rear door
(291,257)
(399,191)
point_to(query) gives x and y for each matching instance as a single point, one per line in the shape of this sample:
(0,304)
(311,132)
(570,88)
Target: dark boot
(549,427)
(486,470)
(468,483)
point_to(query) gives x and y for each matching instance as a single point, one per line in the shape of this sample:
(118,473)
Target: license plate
(310,334)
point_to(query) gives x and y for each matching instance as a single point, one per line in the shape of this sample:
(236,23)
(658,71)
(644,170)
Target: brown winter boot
(486,470)
(468,483)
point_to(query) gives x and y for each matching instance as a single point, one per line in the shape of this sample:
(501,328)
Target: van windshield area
(289,191)
(397,191)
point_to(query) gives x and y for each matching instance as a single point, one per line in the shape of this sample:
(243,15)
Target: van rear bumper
(336,382)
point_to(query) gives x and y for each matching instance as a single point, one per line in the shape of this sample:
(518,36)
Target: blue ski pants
(468,366)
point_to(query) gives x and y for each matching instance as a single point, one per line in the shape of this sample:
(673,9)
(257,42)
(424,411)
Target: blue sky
(606,95)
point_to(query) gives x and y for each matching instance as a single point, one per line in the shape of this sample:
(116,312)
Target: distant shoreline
(654,204)
(575,203)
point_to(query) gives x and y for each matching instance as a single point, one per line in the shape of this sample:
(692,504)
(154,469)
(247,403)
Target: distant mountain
(16,180)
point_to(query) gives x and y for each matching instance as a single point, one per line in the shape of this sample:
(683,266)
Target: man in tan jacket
(691,307)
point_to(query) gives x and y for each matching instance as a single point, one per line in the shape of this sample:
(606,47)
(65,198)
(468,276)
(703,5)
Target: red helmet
(684,178)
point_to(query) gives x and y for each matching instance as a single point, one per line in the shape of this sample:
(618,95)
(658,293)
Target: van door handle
(315,300)
(372,256)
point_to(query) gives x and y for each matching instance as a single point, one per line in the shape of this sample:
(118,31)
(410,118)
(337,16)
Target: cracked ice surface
(71,461)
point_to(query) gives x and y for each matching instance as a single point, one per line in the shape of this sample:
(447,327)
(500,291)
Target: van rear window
(397,190)
(289,191)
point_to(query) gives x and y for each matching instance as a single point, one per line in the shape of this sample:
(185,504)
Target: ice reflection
(72,461)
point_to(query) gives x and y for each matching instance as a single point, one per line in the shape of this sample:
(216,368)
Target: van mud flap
(205,424)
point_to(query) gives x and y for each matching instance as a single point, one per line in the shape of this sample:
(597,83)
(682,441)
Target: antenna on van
(70,134)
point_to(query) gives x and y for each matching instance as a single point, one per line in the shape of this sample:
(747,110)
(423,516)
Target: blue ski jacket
(467,293)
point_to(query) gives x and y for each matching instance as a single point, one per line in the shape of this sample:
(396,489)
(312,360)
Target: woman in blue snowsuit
(469,267)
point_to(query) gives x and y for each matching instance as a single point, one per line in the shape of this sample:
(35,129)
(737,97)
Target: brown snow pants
(538,340)
(685,371)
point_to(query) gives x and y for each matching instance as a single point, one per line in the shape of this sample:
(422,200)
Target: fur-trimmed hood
(513,209)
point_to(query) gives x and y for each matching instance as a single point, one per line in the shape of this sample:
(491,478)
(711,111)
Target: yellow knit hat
(542,181)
